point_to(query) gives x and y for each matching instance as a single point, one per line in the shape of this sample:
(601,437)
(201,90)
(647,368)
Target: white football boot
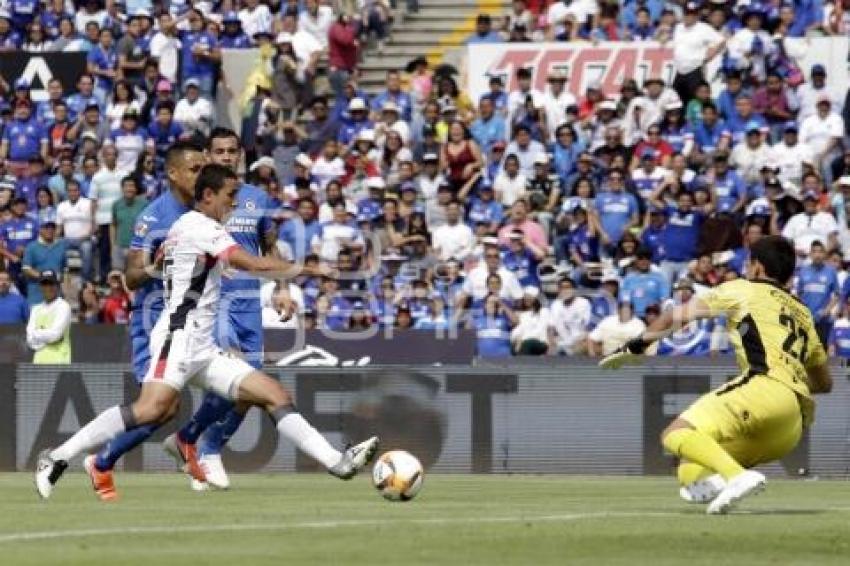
(748,482)
(704,490)
(47,473)
(214,470)
(355,459)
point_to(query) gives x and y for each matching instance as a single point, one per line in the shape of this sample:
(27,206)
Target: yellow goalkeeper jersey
(772,331)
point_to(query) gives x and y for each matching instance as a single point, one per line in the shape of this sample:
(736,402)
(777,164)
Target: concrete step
(473,5)
(435,27)
(427,40)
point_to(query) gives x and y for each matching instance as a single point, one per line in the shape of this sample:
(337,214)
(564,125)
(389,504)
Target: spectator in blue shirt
(839,336)
(80,100)
(652,236)
(817,287)
(489,127)
(233,37)
(44,254)
(681,235)
(711,134)
(200,53)
(493,326)
(23,137)
(13,307)
(617,209)
(644,286)
(484,208)
(298,231)
(28,183)
(745,119)
(15,233)
(102,63)
(522,259)
(395,94)
(484,31)
(729,188)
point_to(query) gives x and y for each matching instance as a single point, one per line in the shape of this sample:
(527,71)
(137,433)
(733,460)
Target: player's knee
(677,424)
(155,411)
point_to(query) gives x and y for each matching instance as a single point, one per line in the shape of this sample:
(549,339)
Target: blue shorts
(242,332)
(139,346)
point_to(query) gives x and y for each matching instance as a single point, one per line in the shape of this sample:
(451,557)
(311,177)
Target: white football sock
(294,427)
(103,428)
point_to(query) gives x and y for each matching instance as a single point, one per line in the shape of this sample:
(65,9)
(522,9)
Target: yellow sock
(688,472)
(703,450)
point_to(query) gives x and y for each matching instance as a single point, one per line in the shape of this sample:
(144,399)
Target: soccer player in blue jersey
(183,163)
(240,327)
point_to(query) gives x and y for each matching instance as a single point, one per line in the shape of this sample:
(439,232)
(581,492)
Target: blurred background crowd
(548,222)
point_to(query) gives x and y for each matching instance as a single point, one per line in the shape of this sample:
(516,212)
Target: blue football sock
(213,408)
(219,434)
(122,444)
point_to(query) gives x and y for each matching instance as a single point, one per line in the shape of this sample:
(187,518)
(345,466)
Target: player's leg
(247,329)
(156,404)
(235,379)
(99,467)
(698,483)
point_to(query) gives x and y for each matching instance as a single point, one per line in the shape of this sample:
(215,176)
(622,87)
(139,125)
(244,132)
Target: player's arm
(669,321)
(138,271)
(268,266)
(820,379)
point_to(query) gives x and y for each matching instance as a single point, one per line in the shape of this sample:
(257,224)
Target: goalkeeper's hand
(628,354)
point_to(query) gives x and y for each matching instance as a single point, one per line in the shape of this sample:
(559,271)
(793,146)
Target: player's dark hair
(179,148)
(777,256)
(221,133)
(212,177)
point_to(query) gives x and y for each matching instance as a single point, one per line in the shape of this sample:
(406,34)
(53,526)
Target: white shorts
(176,363)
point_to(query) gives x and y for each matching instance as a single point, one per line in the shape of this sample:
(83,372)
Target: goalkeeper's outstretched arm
(668,322)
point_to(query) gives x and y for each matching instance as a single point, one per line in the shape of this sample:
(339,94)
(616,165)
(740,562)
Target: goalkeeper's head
(772,257)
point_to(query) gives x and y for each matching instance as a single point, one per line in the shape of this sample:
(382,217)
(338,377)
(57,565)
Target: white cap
(389,105)
(304,160)
(608,105)
(356,103)
(541,158)
(610,275)
(263,161)
(531,291)
(366,135)
(673,105)
(283,37)
(375,182)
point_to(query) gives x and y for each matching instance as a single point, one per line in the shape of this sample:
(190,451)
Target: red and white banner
(608,62)
(613,62)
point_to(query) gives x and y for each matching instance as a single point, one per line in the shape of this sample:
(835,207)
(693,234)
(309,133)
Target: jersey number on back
(796,337)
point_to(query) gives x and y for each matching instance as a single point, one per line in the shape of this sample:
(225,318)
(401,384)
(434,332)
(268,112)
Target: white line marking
(165,529)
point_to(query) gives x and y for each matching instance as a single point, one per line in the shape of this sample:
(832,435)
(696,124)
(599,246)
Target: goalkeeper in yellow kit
(759,416)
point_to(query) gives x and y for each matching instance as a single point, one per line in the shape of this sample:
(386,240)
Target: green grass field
(470,520)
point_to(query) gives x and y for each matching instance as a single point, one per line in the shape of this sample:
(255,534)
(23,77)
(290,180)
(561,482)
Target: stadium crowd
(546,222)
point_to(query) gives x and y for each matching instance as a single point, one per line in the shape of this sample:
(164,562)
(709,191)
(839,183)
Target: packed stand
(546,223)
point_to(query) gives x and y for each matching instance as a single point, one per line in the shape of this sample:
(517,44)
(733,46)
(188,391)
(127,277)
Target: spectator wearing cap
(16,232)
(193,112)
(823,132)
(615,330)
(13,307)
(695,44)
(23,138)
(648,176)
(358,122)
(199,55)
(522,258)
(489,127)
(818,288)
(810,225)
(730,190)
(343,52)
(75,219)
(165,47)
(751,154)
(484,32)
(789,155)
(483,207)
(658,96)
(46,253)
(812,92)
(89,125)
(49,323)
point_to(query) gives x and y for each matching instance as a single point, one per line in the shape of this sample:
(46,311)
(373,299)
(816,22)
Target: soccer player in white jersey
(184,348)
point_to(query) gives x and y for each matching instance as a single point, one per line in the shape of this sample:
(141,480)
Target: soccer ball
(398,475)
